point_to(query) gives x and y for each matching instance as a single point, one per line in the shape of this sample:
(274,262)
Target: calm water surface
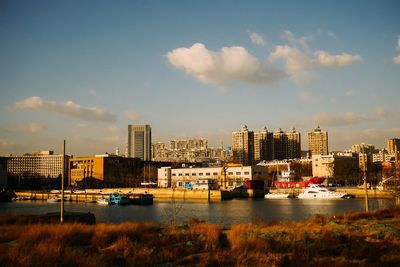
(224,213)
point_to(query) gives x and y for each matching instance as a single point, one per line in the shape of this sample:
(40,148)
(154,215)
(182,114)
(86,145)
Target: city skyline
(82,72)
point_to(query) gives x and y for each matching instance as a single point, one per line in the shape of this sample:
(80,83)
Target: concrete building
(104,170)
(318,142)
(3,172)
(235,176)
(335,167)
(39,164)
(263,145)
(363,148)
(391,143)
(382,156)
(139,141)
(243,146)
(287,144)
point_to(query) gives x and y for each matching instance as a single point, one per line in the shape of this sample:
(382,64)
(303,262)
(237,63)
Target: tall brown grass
(353,239)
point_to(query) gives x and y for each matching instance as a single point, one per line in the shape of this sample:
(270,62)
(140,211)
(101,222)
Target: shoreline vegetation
(350,239)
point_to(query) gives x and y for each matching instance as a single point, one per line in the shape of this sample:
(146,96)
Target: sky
(84,70)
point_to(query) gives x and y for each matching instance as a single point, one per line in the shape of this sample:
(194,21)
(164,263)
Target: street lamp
(365,180)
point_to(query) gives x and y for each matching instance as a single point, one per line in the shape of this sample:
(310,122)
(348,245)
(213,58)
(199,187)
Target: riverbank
(157,193)
(352,239)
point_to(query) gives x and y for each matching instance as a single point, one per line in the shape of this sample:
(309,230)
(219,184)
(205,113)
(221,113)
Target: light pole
(62,185)
(365,180)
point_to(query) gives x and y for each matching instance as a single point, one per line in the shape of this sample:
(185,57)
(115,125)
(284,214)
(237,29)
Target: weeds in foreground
(354,239)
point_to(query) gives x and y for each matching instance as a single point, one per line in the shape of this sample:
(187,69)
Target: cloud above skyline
(229,64)
(396,59)
(300,62)
(257,39)
(68,108)
(235,63)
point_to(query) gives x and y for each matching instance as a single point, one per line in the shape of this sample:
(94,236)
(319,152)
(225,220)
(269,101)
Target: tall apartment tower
(286,144)
(139,141)
(243,146)
(391,143)
(318,142)
(263,145)
(294,145)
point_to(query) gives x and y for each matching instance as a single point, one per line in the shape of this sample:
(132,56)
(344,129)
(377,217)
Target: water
(224,213)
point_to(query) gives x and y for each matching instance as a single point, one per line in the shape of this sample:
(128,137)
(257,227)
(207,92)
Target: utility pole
(365,179)
(62,185)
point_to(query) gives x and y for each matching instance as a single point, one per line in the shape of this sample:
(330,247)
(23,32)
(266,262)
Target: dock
(143,196)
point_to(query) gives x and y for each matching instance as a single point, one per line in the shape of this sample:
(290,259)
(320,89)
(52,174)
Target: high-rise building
(139,141)
(243,146)
(294,145)
(391,143)
(286,144)
(318,142)
(263,145)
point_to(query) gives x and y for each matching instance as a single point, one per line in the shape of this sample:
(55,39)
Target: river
(224,213)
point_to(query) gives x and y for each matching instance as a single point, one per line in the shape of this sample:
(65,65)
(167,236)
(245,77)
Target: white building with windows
(235,176)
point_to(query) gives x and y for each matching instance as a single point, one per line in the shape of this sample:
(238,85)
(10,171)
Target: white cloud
(92,92)
(68,108)
(229,64)
(300,62)
(398,42)
(132,115)
(34,127)
(341,119)
(324,59)
(257,39)
(396,60)
(349,92)
(237,64)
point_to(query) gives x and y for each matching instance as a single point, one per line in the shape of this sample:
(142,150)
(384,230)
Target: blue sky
(84,70)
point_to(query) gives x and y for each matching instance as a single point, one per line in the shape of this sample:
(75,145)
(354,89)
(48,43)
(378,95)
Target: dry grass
(353,239)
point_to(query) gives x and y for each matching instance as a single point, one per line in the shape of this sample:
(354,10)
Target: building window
(200,174)
(238,173)
(180,174)
(230,173)
(246,173)
(174,174)
(193,174)
(215,173)
(208,174)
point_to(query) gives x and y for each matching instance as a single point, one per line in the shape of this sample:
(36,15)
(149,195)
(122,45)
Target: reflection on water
(224,213)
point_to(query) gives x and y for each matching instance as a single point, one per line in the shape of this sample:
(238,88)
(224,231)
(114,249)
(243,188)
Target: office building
(40,164)
(139,142)
(105,170)
(318,142)
(243,146)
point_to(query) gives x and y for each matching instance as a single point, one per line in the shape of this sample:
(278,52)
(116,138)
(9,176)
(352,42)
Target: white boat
(54,199)
(316,191)
(103,201)
(277,196)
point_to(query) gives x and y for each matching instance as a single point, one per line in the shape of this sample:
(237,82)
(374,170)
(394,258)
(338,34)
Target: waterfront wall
(158,193)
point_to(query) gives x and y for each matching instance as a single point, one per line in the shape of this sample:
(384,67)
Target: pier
(141,195)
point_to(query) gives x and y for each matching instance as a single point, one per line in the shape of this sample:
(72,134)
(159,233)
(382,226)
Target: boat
(316,191)
(116,198)
(277,196)
(103,201)
(54,199)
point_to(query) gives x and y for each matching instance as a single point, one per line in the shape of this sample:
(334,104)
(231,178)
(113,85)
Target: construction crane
(223,173)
